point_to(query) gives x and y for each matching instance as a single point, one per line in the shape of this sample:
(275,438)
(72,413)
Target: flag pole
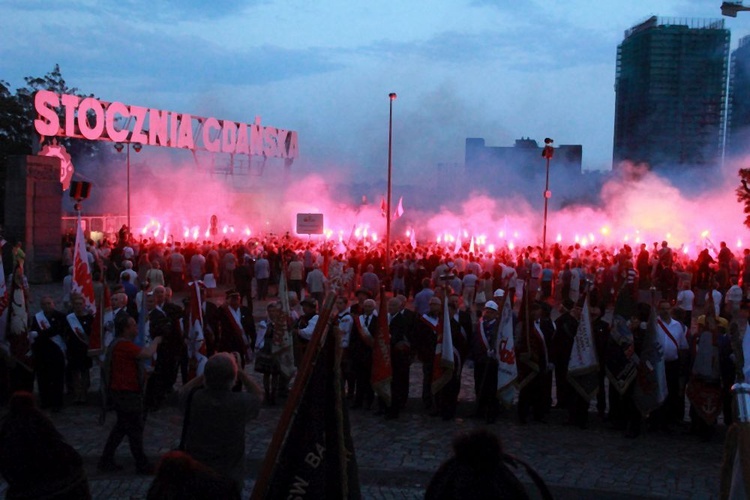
(295,396)
(387,258)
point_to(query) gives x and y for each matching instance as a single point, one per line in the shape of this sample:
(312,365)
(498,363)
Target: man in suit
(236,328)
(360,352)
(168,354)
(49,354)
(398,326)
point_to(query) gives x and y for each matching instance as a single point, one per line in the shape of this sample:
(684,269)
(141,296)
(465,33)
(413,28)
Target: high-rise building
(738,121)
(671,93)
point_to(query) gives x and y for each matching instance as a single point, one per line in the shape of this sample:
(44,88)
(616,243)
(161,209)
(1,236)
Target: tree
(743,192)
(17,135)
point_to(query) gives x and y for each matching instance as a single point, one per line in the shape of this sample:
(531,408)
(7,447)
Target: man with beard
(49,354)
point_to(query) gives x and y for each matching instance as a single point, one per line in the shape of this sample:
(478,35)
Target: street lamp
(392,97)
(730,9)
(547,153)
(137,146)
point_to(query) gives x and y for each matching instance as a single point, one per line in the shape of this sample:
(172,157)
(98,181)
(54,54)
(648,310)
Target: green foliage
(743,192)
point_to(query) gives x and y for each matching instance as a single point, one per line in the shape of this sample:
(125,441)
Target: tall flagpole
(387,258)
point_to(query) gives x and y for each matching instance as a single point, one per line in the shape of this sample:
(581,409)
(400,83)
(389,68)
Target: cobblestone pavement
(397,458)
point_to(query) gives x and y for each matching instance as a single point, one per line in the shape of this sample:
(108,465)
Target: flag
(282,340)
(101,318)
(651,381)
(140,339)
(383,207)
(4,346)
(442,367)
(196,344)
(82,284)
(457,246)
(382,369)
(583,366)
(471,245)
(311,454)
(352,241)
(507,370)
(399,209)
(413,238)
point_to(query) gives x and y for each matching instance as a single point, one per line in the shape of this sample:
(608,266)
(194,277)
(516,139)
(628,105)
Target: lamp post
(547,154)
(392,97)
(119,146)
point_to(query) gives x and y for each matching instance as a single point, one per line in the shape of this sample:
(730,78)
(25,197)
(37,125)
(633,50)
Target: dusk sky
(498,70)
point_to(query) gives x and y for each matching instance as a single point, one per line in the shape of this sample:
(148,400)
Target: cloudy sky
(494,69)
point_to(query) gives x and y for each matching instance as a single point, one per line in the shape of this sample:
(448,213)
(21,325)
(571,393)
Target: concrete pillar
(33,211)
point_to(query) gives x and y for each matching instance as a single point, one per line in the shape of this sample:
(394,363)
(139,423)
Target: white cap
(491,304)
(499,293)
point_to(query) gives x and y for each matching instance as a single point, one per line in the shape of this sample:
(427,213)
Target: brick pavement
(397,458)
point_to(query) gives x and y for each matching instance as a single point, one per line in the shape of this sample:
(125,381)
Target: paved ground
(397,458)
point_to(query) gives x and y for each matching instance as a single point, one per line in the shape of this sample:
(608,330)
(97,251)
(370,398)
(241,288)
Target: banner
(442,367)
(583,366)
(651,381)
(507,370)
(621,370)
(282,339)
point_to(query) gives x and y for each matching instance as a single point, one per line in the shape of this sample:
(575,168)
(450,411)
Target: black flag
(315,458)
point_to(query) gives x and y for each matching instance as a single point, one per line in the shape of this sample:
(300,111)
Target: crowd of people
(659,318)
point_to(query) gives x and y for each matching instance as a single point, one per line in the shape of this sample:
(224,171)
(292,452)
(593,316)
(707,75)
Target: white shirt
(345,325)
(685,300)
(306,332)
(678,333)
(734,294)
(717,301)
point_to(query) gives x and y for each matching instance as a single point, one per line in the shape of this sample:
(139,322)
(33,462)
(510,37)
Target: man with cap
(361,295)
(236,328)
(485,362)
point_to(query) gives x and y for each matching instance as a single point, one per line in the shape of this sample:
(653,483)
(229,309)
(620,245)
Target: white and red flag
(83,283)
(383,206)
(444,364)
(507,370)
(196,338)
(399,209)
